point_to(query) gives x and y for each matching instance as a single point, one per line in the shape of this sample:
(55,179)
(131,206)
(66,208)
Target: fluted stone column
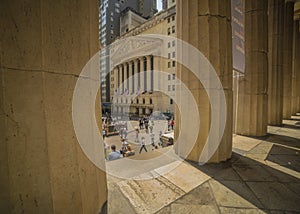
(157,76)
(142,74)
(206,24)
(287,59)
(119,76)
(125,78)
(296,70)
(148,58)
(129,81)
(275,56)
(44,47)
(252,109)
(136,75)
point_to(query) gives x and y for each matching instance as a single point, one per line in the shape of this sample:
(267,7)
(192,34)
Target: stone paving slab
(148,196)
(238,195)
(196,209)
(185,176)
(254,173)
(276,196)
(231,210)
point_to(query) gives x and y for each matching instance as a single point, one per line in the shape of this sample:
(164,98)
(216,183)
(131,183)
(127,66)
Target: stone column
(119,76)
(44,47)
(275,62)
(287,59)
(125,78)
(142,73)
(136,76)
(296,70)
(252,109)
(157,76)
(206,24)
(148,59)
(129,81)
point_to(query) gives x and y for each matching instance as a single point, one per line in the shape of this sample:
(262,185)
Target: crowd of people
(111,153)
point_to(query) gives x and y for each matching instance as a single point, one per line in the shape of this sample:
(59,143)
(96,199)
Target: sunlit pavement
(261,177)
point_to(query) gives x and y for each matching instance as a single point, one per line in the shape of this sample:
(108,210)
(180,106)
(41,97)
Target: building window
(137,101)
(173,29)
(173,87)
(169,44)
(169,20)
(169,77)
(171,101)
(169,88)
(173,17)
(169,55)
(169,64)
(173,43)
(150,101)
(144,101)
(173,54)
(173,75)
(173,63)
(169,31)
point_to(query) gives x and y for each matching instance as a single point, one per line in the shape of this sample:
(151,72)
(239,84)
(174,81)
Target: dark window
(173,17)
(173,63)
(171,101)
(173,29)
(169,64)
(144,101)
(150,101)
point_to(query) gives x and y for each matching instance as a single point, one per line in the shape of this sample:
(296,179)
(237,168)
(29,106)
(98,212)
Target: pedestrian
(103,133)
(146,127)
(114,155)
(137,135)
(141,123)
(172,124)
(124,147)
(143,146)
(152,140)
(151,129)
(160,138)
(125,133)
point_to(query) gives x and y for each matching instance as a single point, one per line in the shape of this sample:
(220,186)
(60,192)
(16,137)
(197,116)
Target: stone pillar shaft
(296,70)
(148,73)
(142,74)
(252,96)
(44,47)
(136,85)
(287,59)
(206,24)
(275,67)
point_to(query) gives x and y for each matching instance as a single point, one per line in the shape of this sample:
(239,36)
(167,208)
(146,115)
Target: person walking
(137,135)
(152,141)
(172,124)
(143,146)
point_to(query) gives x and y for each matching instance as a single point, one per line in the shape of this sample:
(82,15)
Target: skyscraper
(164,4)
(109,27)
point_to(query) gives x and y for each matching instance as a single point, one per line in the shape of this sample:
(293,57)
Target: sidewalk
(261,177)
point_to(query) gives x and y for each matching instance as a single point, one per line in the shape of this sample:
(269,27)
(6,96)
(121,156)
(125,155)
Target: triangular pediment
(130,48)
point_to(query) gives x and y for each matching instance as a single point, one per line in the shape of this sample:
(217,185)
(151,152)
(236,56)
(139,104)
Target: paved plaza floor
(263,176)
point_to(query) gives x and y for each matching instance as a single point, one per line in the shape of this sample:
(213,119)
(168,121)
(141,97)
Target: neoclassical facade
(137,86)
